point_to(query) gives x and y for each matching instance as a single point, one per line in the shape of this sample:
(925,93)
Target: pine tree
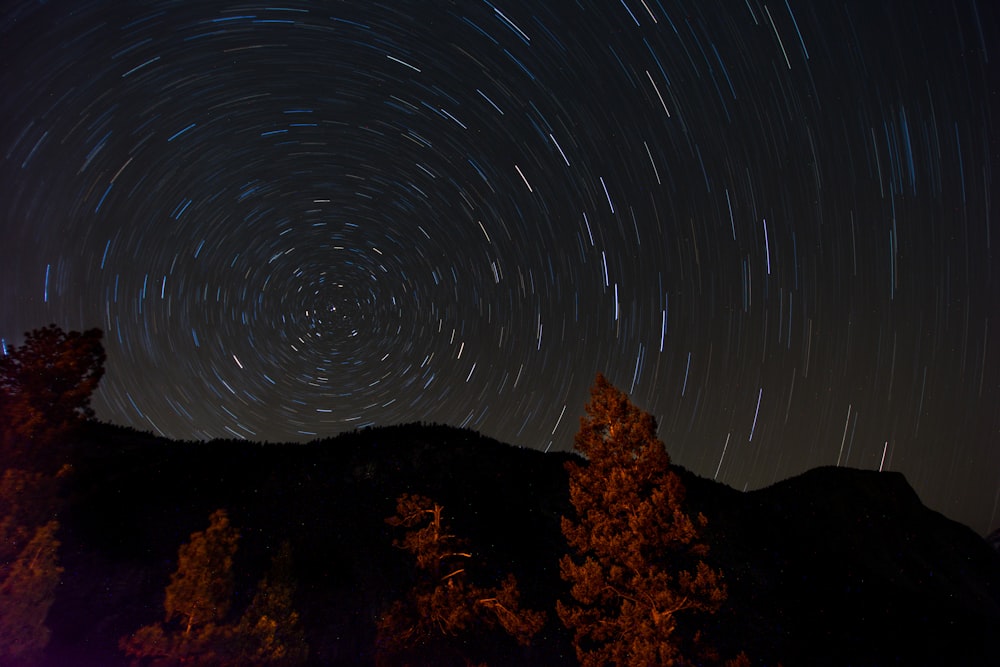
(27,591)
(201,589)
(196,604)
(29,571)
(636,570)
(28,500)
(46,385)
(444,607)
(269,633)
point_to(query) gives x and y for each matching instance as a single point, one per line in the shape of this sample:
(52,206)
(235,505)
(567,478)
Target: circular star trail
(772,224)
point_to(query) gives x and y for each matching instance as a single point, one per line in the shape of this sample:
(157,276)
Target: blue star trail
(771,223)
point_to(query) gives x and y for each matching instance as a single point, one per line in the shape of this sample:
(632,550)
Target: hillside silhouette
(833,567)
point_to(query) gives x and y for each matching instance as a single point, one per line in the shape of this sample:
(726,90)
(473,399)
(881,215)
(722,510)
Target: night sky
(773,224)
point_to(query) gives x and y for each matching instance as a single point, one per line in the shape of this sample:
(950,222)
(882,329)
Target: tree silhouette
(197,601)
(27,590)
(444,606)
(636,571)
(46,385)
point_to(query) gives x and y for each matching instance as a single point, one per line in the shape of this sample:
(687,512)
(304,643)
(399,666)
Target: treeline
(637,571)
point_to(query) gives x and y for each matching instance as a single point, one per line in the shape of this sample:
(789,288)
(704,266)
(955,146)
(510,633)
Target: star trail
(772,224)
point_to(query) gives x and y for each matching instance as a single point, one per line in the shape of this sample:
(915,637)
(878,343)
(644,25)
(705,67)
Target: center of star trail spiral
(770,223)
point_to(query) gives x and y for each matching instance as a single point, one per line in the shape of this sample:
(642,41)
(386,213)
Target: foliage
(158,646)
(197,601)
(45,390)
(269,632)
(636,571)
(46,384)
(29,570)
(445,607)
(200,590)
(27,500)
(27,590)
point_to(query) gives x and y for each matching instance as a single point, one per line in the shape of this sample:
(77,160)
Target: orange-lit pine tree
(27,590)
(46,385)
(445,607)
(45,390)
(269,632)
(29,568)
(196,604)
(195,631)
(636,570)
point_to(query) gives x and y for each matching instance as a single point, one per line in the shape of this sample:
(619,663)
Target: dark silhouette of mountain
(833,567)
